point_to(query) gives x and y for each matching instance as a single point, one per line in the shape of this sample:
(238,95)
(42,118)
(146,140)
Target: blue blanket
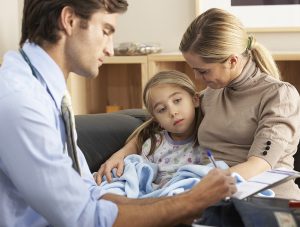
(136,181)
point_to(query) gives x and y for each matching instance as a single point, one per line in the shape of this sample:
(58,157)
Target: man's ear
(196,100)
(66,20)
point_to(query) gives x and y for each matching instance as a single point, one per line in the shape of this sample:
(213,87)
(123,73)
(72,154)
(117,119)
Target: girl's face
(214,75)
(174,109)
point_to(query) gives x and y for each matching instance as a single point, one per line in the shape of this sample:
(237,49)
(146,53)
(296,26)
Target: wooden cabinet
(119,83)
(175,61)
(289,66)
(121,79)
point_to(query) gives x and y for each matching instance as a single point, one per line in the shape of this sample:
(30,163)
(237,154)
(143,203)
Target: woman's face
(214,75)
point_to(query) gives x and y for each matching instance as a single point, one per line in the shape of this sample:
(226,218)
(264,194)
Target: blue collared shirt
(38,186)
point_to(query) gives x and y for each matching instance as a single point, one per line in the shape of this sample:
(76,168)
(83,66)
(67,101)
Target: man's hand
(216,185)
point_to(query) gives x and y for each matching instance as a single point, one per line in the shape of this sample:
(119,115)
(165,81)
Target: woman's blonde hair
(151,128)
(217,34)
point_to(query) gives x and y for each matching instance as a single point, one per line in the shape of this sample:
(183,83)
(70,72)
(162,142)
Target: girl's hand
(115,161)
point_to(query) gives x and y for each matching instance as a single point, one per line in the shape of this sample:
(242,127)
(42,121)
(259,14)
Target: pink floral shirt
(170,155)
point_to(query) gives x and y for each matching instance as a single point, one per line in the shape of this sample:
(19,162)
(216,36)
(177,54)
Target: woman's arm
(277,133)
(116,161)
(253,166)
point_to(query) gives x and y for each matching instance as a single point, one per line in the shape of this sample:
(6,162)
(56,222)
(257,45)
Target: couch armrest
(100,135)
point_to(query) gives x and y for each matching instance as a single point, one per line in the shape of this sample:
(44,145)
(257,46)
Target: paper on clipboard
(264,181)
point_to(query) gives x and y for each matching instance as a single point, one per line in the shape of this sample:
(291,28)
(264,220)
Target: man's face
(89,43)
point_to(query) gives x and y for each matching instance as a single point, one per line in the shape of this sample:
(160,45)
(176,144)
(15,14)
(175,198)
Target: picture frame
(279,17)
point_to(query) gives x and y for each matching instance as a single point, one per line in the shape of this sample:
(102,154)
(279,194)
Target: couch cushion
(100,135)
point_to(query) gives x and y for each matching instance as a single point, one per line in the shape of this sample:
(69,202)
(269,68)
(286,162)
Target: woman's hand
(115,161)
(252,167)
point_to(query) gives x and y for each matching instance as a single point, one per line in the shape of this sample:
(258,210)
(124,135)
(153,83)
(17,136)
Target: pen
(211,158)
(213,161)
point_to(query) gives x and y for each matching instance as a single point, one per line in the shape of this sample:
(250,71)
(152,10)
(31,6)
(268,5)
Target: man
(38,185)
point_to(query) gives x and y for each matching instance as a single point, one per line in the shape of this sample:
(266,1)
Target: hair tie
(250,42)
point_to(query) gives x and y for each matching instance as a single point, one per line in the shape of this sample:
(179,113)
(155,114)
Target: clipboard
(263,181)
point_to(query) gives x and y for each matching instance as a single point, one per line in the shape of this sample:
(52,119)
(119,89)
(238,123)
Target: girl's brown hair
(151,129)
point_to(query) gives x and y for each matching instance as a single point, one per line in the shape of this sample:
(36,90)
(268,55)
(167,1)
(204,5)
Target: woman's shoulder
(278,94)
(264,87)
(281,88)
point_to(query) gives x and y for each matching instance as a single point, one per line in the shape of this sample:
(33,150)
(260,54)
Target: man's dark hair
(40,17)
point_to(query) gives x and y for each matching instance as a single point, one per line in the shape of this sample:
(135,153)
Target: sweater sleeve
(277,133)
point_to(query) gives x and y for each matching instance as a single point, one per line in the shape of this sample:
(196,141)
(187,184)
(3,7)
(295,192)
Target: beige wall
(165,21)
(10,24)
(159,21)
(280,41)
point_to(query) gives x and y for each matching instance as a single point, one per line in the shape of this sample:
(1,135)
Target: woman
(251,118)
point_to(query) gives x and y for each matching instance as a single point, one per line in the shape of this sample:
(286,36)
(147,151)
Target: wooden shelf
(121,79)
(125,60)
(286,56)
(171,61)
(119,83)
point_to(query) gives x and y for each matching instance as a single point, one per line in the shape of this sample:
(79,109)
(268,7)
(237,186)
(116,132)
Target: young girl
(169,138)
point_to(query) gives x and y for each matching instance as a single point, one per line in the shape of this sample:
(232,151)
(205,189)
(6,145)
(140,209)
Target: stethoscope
(37,75)
(33,69)
(35,72)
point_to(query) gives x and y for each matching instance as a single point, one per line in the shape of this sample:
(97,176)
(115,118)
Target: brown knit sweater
(255,115)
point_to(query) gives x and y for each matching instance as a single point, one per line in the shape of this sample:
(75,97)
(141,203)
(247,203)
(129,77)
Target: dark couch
(100,135)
